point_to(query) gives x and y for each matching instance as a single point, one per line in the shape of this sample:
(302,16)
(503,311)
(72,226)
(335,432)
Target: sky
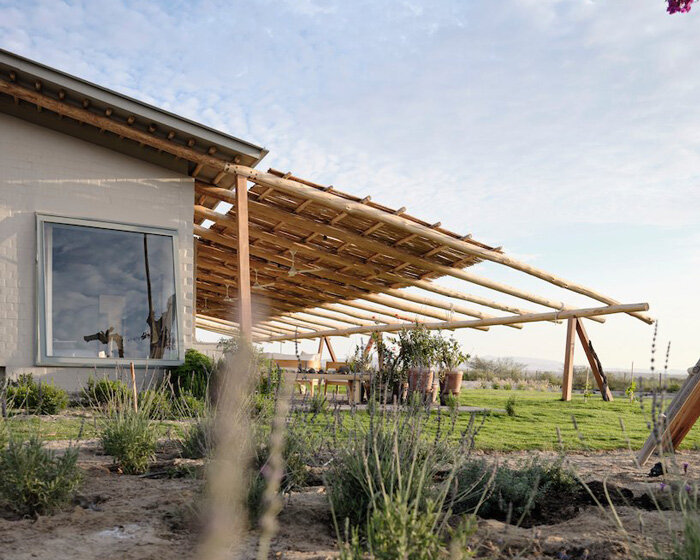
(566,131)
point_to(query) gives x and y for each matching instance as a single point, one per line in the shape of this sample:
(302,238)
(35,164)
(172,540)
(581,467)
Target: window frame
(41,358)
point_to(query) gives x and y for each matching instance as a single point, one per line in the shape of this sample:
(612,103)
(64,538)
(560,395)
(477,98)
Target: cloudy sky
(567,131)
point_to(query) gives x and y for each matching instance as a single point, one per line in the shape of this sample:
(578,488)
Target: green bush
(262,406)
(377,458)
(35,480)
(188,406)
(37,398)
(318,403)
(130,438)
(254,498)
(270,378)
(510,406)
(155,403)
(499,491)
(193,376)
(99,392)
(198,441)
(397,528)
(688,548)
(403,508)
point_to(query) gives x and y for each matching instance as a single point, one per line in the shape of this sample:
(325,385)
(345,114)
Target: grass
(532,427)
(539,413)
(68,426)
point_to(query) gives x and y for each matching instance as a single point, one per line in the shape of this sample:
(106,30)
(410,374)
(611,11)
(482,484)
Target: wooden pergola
(325,263)
(281,258)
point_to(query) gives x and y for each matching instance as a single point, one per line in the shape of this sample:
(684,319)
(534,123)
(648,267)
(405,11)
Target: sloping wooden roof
(319,264)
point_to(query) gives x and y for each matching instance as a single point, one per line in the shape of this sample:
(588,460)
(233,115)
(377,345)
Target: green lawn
(538,414)
(73,425)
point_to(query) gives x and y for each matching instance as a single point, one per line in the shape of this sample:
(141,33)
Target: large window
(106,292)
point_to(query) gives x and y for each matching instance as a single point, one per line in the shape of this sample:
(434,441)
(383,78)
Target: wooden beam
(244,297)
(447,325)
(330,348)
(660,436)
(449,306)
(457,294)
(593,362)
(405,257)
(567,379)
(362,210)
(364,287)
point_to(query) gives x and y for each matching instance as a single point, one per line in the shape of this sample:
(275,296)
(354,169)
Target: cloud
(517,121)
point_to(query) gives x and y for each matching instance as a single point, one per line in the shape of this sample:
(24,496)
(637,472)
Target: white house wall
(48,172)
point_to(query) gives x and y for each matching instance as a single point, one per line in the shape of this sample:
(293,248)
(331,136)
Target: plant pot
(399,391)
(420,379)
(453,382)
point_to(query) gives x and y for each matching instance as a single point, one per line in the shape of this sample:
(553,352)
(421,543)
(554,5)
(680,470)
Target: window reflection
(109,293)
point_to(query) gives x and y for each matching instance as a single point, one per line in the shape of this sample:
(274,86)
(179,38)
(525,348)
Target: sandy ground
(130,517)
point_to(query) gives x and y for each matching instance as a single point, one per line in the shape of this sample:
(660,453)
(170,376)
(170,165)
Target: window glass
(109,293)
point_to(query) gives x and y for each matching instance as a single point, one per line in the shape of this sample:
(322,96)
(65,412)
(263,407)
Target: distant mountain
(541,364)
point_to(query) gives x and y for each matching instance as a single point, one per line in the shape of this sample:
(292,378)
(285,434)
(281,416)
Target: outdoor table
(350,380)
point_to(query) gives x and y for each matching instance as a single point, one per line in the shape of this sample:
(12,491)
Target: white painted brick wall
(48,172)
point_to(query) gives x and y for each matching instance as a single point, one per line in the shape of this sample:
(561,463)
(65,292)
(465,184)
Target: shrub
(254,499)
(501,491)
(34,480)
(501,368)
(398,529)
(262,406)
(318,403)
(377,458)
(407,514)
(102,391)
(37,398)
(155,403)
(510,406)
(129,437)
(193,376)
(688,548)
(452,402)
(199,439)
(270,378)
(189,406)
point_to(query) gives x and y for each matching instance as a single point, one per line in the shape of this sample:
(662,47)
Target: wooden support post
(330,348)
(593,361)
(133,385)
(243,254)
(368,348)
(320,347)
(567,380)
(679,417)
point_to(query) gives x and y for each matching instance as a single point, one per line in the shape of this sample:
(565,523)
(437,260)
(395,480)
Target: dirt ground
(130,517)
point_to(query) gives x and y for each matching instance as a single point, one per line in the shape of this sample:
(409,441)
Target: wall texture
(48,172)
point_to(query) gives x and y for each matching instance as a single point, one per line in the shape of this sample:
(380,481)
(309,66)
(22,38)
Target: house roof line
(30,69)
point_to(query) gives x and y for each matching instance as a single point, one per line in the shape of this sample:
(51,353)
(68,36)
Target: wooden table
(352,381)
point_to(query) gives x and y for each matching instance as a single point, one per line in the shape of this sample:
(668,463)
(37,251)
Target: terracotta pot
(453,382)
(420,379)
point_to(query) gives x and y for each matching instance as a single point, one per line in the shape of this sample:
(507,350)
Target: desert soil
(117,516)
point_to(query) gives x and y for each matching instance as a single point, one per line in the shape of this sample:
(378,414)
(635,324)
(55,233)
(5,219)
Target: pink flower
(676,6)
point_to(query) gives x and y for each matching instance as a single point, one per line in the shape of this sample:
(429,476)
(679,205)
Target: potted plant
(391,381)
(450,356)
(418,352)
